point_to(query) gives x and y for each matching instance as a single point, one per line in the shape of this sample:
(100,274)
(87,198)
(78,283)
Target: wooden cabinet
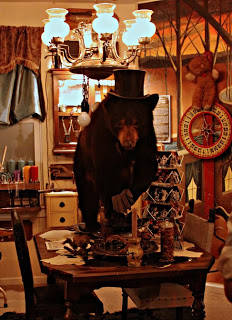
(24,196)
(67,98)
(61,208)
(67,92)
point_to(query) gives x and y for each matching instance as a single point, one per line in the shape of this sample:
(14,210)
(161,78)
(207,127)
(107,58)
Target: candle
(3,159)
(4,155)
(34,173)
(26,174)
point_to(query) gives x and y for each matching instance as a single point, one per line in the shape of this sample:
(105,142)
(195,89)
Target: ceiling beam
(204,13)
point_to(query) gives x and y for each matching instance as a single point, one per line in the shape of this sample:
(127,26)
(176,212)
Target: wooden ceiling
(163,10)
(203,25)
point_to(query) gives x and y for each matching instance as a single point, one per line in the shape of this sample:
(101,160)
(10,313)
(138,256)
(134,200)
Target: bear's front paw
(122,201)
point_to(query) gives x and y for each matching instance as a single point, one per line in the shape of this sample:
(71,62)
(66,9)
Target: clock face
(206,133)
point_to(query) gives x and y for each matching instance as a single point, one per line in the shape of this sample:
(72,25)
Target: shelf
(164,184)
(20,209)
(168,168)
(68,114)
(20,186)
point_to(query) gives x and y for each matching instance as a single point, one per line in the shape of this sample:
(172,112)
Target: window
(192,190)
(193,181)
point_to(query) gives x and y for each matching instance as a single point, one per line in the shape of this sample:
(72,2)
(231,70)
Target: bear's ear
(106,102)
(152,100)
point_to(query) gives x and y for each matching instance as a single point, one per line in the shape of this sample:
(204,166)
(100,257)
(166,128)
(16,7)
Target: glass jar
(167,241)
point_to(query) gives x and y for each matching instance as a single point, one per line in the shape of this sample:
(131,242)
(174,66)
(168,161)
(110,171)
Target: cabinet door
(67,98)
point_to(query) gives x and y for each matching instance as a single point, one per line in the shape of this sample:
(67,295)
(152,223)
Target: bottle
(134,253)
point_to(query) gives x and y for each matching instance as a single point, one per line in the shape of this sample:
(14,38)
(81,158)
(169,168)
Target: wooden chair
(172,295)
(45,302)
(3,292)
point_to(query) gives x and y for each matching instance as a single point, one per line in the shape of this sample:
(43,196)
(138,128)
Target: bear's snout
(128,137)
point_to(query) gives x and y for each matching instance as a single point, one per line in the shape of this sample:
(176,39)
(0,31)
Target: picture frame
(162,119)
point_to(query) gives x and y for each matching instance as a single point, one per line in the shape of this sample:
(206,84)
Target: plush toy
(202,72)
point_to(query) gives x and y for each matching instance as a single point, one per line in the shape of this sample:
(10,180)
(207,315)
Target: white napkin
(184,252)
(57,235)
(59,260)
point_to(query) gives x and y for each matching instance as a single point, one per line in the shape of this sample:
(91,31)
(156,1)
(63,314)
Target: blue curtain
(20,96)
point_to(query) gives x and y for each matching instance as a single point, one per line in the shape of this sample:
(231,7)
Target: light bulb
(84,119)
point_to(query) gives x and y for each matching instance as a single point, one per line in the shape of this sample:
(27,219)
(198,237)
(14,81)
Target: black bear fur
(115,152)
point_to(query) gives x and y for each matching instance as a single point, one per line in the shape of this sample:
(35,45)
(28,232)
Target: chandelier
(98,55)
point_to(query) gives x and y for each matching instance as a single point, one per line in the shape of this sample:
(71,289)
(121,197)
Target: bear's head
(130,119)
(201,64)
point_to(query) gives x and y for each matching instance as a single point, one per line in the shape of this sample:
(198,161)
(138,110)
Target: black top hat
(129,84)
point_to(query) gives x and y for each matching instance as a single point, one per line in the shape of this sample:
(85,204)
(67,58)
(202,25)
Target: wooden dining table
(104,271)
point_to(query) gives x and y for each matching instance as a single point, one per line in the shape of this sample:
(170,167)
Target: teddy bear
(202,72)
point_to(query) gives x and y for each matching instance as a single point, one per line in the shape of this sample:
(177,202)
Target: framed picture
(162,119)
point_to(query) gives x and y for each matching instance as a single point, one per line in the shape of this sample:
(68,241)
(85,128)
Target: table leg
(4,297)
(68,312)
(124,305)
(198,292)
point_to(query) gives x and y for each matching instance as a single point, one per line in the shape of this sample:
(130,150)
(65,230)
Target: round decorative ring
(206,133)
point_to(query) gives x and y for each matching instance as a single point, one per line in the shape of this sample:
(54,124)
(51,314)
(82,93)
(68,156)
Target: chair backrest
(198,231)
(23,259)
(221,217)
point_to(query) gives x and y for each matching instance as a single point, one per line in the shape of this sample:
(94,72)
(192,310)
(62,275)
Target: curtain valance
(20,45)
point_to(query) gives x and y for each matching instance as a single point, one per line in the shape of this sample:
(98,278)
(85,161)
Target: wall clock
(206,133)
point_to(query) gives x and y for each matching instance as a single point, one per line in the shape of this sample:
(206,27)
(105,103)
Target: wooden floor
(214,275)
(217,307)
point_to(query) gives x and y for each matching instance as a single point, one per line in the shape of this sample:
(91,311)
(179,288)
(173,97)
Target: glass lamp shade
(105,22)
(129,37)
(56,27)
(87,35)
(46,38)
(143,26)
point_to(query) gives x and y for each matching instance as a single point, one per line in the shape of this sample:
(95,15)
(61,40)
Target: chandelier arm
(131,54)
(134,52)
(82,48)
(63,50)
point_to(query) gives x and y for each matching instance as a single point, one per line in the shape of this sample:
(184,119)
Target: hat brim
(129,98)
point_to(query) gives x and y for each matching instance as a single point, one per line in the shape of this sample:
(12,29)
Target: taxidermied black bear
(115,158)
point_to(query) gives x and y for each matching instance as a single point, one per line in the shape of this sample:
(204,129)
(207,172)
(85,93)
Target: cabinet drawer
(61,204)
(62,219)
